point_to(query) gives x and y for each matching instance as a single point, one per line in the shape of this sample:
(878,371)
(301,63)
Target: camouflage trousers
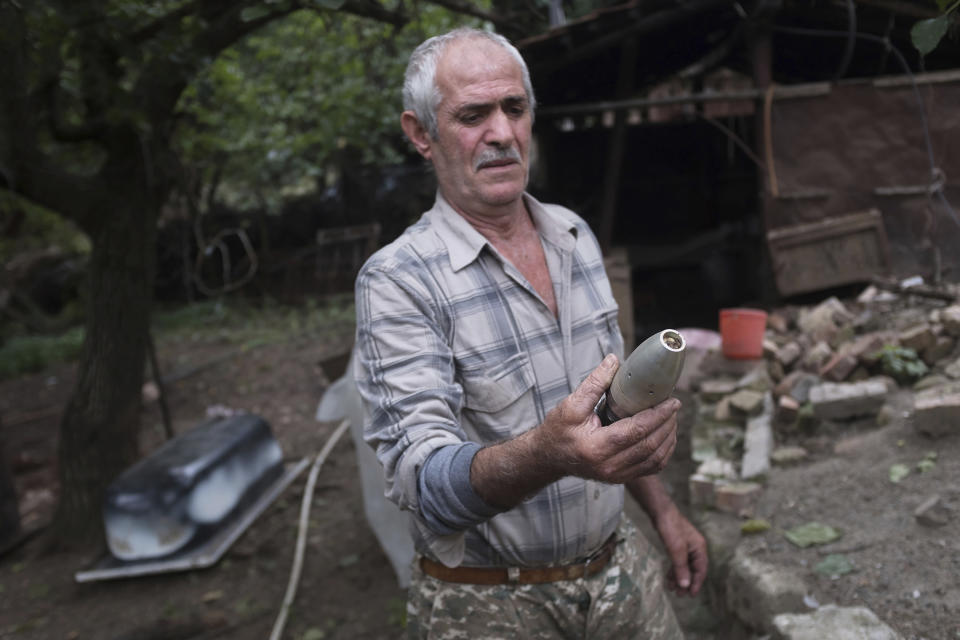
(627,599)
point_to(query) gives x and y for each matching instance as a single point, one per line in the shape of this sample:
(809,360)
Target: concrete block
(736,497)
(823,321)
(717,468)
(787,410)
(757,591)
(756,380)
(836,401)
(722,412)
(953,369)
(838,367)
(919,337)
(864,348)
(770,348)
(799,386)
(933,512)
(784,456)
(833,622)
(788,354)
(950,318)
(777,322)
(758,442)
(714,389)
(817,355)
(746,402)
(936,412)
(941,348)
(701,490)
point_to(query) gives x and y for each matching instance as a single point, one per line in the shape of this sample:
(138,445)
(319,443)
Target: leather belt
(520,575)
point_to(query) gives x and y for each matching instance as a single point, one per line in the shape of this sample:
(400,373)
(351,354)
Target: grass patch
(252,325)
(240,323)
(29,354)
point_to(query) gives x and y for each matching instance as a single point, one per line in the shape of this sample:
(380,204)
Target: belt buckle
(606,547)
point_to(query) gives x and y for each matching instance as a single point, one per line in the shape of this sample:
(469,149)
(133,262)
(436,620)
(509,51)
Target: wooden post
(161,391)
(761,48)
(614,163)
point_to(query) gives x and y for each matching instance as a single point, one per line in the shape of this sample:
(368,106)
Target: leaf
(755,525)
(943,4)
(254,13)
(349,560)
(811,533)
(333,5)
(314,633)
(834,565)
(898,472)
(925,465)
(926,34)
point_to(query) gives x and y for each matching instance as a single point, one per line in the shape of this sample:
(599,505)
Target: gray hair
(420,92)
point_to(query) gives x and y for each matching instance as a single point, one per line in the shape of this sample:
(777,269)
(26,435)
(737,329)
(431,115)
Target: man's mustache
(496,155)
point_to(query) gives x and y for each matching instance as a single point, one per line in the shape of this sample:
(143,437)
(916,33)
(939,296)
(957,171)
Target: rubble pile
(823,366)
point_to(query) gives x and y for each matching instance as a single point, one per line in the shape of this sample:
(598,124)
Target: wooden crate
(829,253)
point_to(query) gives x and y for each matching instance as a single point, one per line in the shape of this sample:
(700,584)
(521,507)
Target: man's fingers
(650,464)
(681,570)
(598,381)
(699,562)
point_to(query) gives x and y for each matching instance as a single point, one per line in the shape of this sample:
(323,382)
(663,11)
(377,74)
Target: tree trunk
(100,427)
(9,507)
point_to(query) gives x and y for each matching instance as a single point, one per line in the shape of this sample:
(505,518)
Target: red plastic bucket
(741,332)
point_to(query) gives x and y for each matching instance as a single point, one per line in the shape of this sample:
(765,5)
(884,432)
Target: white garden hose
(302,530)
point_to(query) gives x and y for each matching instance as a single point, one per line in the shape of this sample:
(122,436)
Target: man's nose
(499,129)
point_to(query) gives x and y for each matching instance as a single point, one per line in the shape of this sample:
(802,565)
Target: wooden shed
(741,152)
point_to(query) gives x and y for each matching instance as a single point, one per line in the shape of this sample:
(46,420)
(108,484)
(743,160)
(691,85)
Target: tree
(280,112)
(9,506)
(88,98)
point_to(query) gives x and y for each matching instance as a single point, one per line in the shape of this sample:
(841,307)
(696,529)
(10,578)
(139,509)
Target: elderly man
(486,334)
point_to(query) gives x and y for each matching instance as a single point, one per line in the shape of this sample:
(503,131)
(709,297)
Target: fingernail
(609,361)
(684,583)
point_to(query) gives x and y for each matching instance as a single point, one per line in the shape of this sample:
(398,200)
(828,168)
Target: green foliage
(927,34)
(251,326)
(279,111)
(39,228)
(29,354)
(900,363)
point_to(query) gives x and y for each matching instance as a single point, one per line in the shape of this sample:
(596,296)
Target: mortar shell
(648,376)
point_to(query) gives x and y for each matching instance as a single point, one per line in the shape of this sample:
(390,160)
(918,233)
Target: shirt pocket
(600,336)
(498,400)
(605,324)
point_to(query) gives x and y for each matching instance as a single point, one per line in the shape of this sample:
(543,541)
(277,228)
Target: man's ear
(416,133)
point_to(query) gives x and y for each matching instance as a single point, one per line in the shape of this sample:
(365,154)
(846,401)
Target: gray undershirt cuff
(448,502)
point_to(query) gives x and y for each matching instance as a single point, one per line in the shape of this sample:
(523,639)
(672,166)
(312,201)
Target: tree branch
(59,128)
(23,168)
(467,8)
(165,22)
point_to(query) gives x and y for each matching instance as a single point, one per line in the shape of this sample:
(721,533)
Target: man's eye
(470,118)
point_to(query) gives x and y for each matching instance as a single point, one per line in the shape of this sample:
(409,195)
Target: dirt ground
(903,571)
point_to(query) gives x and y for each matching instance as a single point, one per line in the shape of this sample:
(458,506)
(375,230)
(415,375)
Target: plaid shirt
(454,346)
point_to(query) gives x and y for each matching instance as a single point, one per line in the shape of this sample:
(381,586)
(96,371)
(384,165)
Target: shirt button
(596,493)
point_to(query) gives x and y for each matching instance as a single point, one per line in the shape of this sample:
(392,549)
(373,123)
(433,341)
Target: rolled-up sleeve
(411,400)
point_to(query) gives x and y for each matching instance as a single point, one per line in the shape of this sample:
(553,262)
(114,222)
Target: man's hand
(571,442)
(684,544)
(636,446)
(687,550)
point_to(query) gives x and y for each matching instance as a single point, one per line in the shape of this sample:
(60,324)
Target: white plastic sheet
(389,523)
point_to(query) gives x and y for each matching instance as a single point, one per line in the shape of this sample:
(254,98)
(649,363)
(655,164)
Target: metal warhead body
(646,378)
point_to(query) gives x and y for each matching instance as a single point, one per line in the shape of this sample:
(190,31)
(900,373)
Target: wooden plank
(828,253)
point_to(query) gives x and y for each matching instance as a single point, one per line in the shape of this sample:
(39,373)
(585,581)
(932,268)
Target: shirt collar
(464,243)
